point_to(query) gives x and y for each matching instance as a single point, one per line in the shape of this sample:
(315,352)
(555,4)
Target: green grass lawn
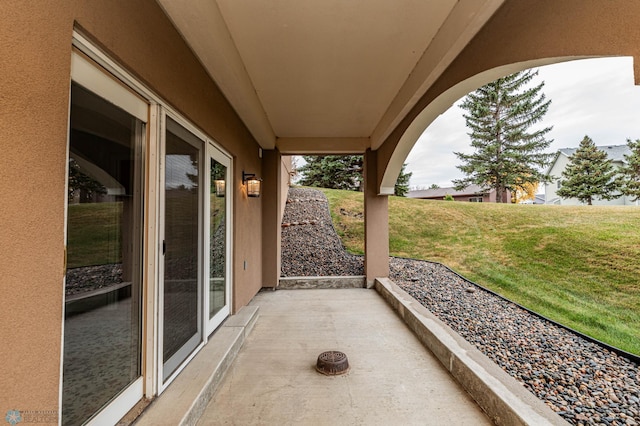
(94,234)
(95,230)
(576,265)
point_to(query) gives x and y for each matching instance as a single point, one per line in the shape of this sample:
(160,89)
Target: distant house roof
(614,152)
(441,192)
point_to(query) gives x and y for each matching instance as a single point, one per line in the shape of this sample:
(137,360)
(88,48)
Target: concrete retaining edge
(305,283)
(503,399)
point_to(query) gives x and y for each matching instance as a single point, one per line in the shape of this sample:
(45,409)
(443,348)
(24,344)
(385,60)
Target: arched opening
(546,253)
(441,104)
(594,97)
(541,245)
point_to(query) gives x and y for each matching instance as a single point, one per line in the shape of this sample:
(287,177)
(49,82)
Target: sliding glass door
(196,267)
(183,231)
(148,243)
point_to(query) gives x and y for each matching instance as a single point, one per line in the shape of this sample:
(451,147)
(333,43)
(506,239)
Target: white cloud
(595,97)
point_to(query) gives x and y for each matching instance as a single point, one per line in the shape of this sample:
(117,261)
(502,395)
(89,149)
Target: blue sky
(595,97)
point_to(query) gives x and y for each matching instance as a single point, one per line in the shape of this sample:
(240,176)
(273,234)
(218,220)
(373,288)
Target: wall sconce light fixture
(253,184)
(220,187)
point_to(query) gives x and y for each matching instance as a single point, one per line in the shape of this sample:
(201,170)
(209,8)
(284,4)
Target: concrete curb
(184,401)
(505,401)
(305,283)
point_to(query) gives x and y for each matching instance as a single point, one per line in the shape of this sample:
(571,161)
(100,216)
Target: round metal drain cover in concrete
(332,363)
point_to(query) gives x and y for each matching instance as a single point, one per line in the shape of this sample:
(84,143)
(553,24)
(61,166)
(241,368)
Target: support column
(376,223)
(271,207)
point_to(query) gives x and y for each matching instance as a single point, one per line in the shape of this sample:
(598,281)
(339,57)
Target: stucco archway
(520,35)
(441,104)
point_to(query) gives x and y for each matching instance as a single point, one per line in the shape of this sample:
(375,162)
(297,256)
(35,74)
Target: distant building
(472,193)
(615,153)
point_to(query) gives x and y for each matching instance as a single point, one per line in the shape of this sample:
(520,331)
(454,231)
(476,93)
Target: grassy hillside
(94,234)
(577,265)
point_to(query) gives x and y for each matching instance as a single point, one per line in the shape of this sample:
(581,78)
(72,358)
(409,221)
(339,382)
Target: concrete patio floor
(393,379)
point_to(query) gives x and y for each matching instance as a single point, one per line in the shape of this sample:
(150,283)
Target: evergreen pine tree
(589,175)
(507,154)
(630,172)
(342,172)
(332,171)
(402,184)
(82,184)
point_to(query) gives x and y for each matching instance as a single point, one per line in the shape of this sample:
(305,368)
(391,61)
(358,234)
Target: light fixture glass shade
(220,187)
(253,187)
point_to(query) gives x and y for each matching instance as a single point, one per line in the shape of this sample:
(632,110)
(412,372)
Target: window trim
(87,75)
(211,324)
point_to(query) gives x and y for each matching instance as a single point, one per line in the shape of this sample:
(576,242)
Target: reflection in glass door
(102,326)
(218,226)
(181,284)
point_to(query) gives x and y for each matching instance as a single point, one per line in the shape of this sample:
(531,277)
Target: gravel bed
(581,381)
(578,379)
(310,245)
(87,278)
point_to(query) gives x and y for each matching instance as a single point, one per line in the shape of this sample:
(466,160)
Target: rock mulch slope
(310,245)
(584,383)
(87,278)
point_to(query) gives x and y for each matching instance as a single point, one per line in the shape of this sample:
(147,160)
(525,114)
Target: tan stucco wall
(376,223)
(34,98)
(276,180)
(520,32)
(247,237)
(271,207)
(286,168)
(35,43)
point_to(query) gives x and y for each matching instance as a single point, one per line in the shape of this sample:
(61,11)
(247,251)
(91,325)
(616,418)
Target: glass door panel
(217,239)
(102,329)
(182,230)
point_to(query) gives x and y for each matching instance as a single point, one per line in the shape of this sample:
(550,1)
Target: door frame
(217,154)
(181,358)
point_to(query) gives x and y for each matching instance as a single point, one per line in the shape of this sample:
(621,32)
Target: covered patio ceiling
(331,76)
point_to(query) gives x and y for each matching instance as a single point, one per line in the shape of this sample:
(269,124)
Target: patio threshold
(184,401)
